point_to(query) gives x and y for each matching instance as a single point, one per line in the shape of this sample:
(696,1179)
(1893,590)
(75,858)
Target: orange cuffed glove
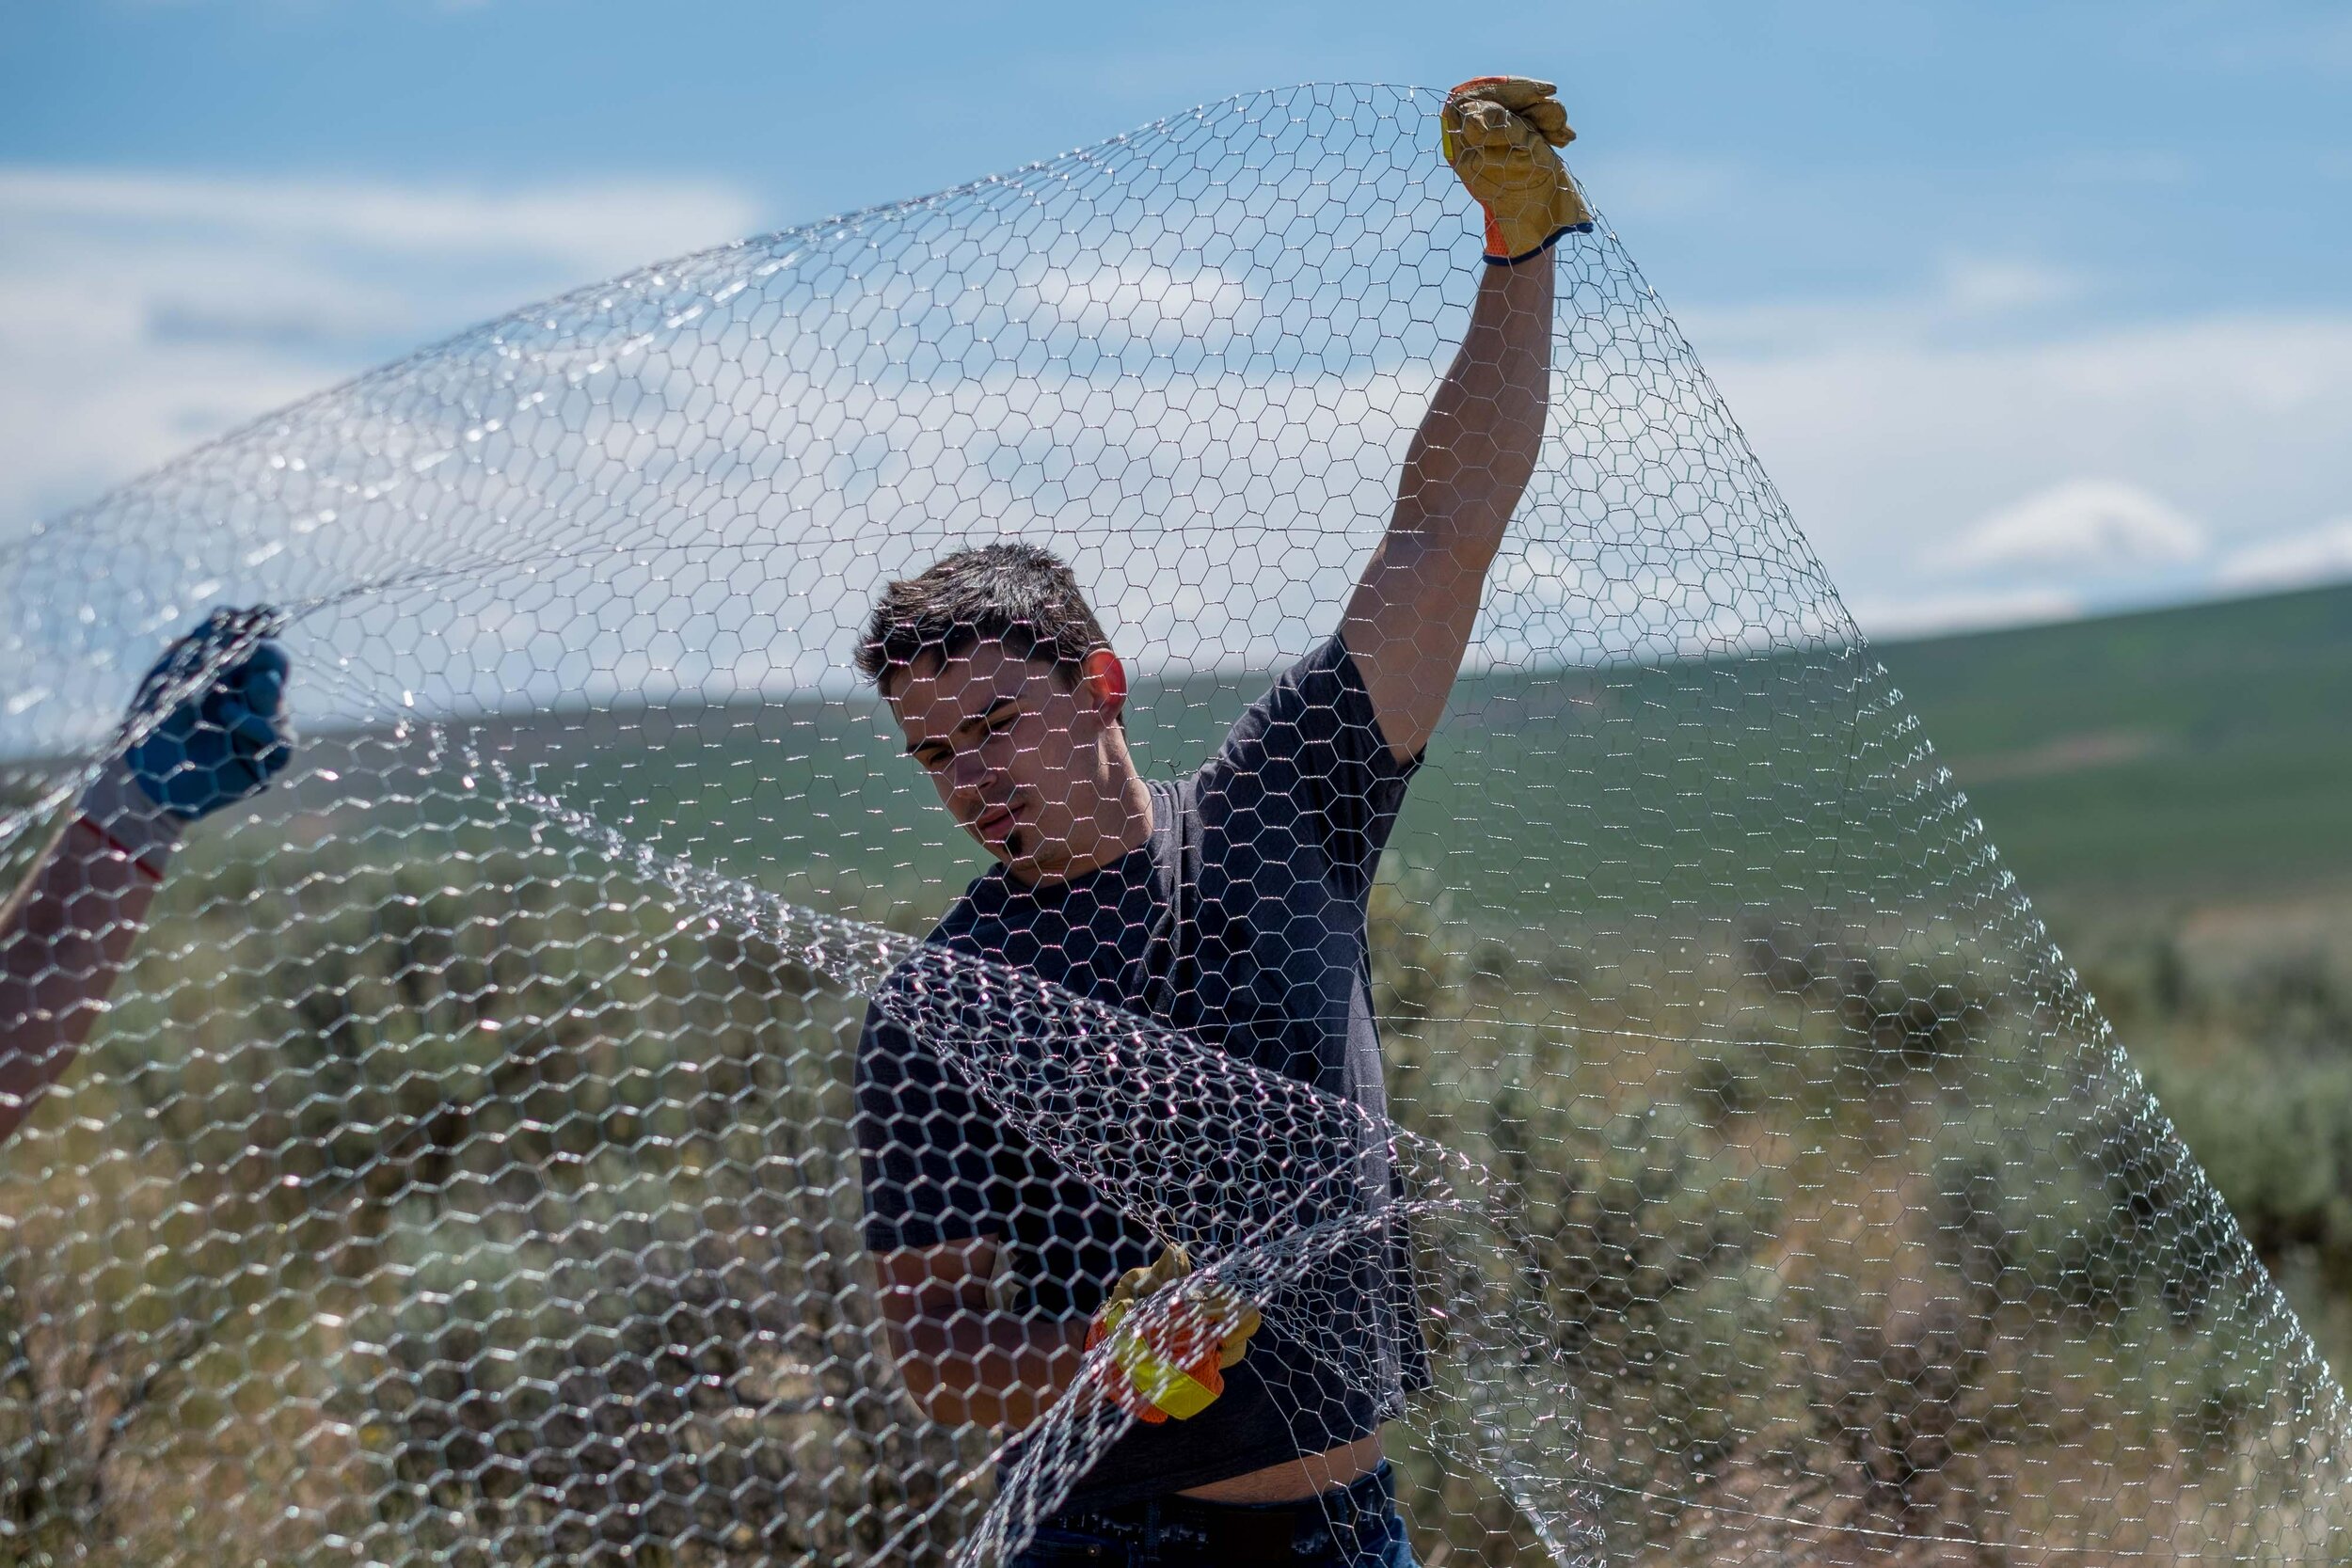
(1173,1364)
(1498,133)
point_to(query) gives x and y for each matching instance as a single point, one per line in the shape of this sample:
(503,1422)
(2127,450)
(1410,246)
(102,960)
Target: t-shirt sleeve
(925,1151)
(1312,751)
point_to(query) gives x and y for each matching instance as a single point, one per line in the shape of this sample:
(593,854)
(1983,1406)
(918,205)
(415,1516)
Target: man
(217,698)
(1230,906)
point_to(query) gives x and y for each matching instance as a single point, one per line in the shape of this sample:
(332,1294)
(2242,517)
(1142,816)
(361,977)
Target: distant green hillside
(2143,762)
(2199,752)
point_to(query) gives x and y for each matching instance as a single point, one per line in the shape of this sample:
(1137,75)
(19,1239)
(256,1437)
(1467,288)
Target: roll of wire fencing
(484,1158)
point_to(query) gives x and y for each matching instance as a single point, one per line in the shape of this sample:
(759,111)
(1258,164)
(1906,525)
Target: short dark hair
(1021,596)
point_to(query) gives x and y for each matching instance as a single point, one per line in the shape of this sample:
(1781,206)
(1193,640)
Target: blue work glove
(224,742)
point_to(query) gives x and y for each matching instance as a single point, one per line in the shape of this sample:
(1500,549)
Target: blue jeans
(1352,1526)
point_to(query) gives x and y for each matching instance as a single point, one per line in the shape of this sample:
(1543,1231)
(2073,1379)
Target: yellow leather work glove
(1498,133)
(1174,1365)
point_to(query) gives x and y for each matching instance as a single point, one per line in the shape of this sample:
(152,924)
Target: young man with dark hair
(1231,904)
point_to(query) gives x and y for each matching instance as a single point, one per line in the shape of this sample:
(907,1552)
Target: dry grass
(1854,1256)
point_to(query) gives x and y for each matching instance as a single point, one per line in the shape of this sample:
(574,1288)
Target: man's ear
(1104,680)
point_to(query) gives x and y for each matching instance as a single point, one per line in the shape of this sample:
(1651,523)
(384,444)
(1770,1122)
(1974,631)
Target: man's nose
(968,772)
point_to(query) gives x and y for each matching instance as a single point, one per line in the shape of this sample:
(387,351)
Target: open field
(431,1246)
(469,1166)
(2174,790)
(2195,755)
(2157,762)
(2168,788)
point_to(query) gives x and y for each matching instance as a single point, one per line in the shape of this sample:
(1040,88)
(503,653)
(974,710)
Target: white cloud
(1996,285)
(2084,523)
(139,314)
(2321,554)
(1932,613)
(1143,300)
(1966,295)
(589,229)
(1887,446)
(142,313)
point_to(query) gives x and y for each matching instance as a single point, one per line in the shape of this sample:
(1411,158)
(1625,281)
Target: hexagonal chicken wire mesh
(485,1156)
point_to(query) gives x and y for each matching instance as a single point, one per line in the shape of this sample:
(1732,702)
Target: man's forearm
(64,939)
(995,1368)
(1476,447)
(1469,461)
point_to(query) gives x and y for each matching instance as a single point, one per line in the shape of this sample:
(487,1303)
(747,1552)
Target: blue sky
(2029,308)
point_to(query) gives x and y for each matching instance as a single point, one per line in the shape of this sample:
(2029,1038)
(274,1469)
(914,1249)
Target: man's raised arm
(1410,617)
(66,932)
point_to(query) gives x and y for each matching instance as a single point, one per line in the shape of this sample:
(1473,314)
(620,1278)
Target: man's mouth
(993,824)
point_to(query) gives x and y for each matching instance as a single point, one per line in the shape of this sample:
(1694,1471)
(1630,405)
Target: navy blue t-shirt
(1242,921)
